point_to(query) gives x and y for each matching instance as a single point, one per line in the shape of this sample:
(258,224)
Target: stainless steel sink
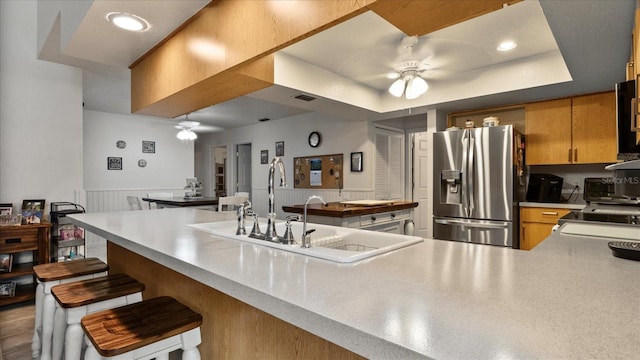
(334,243)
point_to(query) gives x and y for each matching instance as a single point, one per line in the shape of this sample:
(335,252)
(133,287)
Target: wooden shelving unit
(19,240)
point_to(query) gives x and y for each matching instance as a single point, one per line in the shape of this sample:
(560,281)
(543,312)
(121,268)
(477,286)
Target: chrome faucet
(306,238)
(242,210)
(270,234)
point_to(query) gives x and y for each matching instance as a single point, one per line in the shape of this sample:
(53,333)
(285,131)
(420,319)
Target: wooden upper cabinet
(594,128)
(548,132)
(578,130)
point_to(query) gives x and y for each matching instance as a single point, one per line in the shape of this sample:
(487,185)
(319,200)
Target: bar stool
(148,329)
(77,299)
(47,276)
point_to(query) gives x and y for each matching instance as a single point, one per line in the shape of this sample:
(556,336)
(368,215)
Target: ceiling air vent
(305,97)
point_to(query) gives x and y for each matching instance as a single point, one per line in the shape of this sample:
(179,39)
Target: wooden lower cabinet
(536,224)
(29,246)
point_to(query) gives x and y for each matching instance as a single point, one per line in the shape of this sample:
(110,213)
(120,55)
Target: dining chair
(244,196)
(134,203)
(230,202)
(155,195)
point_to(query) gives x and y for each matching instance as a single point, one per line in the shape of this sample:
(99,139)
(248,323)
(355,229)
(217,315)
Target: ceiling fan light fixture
(187,135)
(417,86)
(397,88)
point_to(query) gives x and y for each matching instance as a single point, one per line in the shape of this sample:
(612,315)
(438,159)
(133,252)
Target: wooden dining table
(202,201)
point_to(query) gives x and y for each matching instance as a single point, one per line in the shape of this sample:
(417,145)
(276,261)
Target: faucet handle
(291,218)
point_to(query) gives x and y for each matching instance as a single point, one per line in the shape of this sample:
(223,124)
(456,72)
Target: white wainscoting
(108,201)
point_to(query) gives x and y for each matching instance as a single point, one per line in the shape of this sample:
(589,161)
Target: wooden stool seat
(47,276)
(69,269)
(91,291)
(77,299)
(121,330)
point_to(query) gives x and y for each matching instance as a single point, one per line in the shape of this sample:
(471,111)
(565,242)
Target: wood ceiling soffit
(227,85)
(420,17)
(233,33)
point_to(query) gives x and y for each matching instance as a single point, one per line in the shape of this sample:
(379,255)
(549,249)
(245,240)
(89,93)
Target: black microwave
(628,146)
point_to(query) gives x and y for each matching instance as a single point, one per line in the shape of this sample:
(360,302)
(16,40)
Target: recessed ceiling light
(127,21)
(507,45)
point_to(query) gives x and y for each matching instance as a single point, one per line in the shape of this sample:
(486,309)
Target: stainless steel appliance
(628,144)
(479,179)
(544,188)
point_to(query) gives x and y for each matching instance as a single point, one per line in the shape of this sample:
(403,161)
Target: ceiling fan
(186,127)
(408,72)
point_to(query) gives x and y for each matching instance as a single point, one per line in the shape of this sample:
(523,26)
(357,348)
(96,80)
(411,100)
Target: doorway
(219,156)
(243,168)
(421,183)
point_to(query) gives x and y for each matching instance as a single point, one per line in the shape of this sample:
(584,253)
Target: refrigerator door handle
(465,177)
(471,174)
(492,225)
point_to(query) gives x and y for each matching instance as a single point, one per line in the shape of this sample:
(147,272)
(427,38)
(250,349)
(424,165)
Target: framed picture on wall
(280,148)
(356,161)
(148,147)
(264,156)
(32,211)
(114,163)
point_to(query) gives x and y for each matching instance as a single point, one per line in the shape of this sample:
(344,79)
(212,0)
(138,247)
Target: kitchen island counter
(568,298)
(342,209)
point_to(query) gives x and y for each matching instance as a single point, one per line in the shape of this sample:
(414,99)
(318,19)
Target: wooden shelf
(18,270)
(24,292)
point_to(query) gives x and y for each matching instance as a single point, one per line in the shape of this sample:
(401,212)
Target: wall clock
(314,139)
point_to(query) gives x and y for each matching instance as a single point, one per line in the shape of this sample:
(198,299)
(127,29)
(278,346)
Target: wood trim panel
(222,36)
(231,329)
(426,16)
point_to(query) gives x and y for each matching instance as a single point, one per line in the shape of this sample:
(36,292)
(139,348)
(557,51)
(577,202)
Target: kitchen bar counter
(341,210)
(568,298)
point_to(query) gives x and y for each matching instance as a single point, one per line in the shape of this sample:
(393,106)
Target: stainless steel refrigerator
(478,182)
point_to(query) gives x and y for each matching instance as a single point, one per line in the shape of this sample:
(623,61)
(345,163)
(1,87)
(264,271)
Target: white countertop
(571,206)
(568,298)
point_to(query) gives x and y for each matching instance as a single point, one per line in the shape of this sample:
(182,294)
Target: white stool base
(67,329)
(41,346)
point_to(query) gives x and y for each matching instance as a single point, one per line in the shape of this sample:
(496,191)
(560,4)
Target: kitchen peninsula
(568,298)
(379,215)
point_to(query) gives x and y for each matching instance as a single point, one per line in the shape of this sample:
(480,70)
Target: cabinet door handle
(555,213)
(569,155)
(373,218)
(393,215)
(13,241)
(575,155)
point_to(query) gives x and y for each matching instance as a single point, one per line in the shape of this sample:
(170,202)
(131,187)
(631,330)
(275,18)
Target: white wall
(40,115)
(168,167)
(338,137)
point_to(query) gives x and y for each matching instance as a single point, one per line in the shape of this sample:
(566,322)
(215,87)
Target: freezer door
(449,185)
(490,173)
(475,231)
